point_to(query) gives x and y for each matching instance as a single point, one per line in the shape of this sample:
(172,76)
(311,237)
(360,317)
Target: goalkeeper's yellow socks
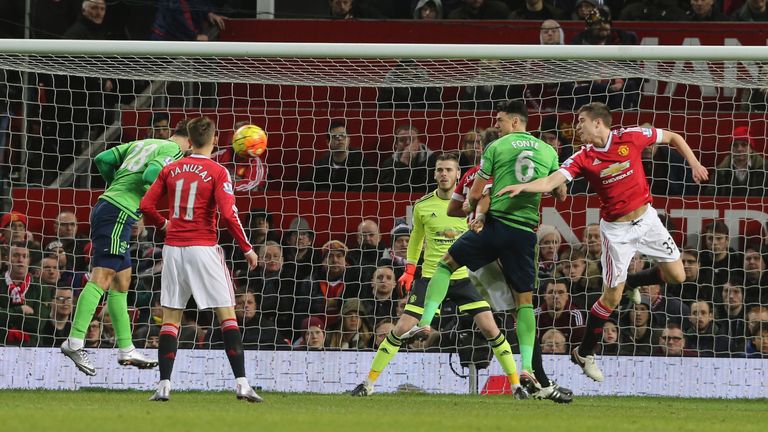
(526,335)
(386,352)
(117,304)
(503,353)
(87,303)
(436,291)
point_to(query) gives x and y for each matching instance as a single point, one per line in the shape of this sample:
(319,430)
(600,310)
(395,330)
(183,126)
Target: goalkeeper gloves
(405,282)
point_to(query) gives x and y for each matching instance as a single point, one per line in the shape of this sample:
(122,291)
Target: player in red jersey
(193,261)
(611,162)
(248,174)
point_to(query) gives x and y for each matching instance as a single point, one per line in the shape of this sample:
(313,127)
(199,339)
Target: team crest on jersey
(614,169)
(228,188)
(623,150)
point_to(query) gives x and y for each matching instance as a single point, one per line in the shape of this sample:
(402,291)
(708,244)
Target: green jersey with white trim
(514,159)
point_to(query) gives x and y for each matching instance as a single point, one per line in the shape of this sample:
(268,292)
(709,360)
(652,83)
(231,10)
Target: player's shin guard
(86,306)
(166,352)
(117,304)
(386,352)
(503,353)
(436,291)
(526,334)
(233,345)
(598,315)
(538,365)
(649,276)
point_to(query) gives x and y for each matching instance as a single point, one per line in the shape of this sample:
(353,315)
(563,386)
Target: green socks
(526,334)
(503,353)
(436,291)
(117,304)
(86,306)
(386,352)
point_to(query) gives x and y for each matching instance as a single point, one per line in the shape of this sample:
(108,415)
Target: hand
(700,174)
(252,259)
(477,223)
(405,282)
(216,20)
(512,190)
(27,310)
(465,207)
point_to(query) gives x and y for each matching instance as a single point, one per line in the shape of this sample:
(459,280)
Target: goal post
(69,100)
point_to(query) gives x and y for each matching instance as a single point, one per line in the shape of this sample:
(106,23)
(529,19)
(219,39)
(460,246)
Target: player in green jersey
(509,227)
(431,223)
(129,170)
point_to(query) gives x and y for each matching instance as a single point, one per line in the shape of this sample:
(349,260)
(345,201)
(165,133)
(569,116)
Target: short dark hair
(705,301)
(716,227)
(336,123)
(692,252)
(181,129)
(514,107)
(597,110)
(448,157)
(736,279)
(490,135)
(159,116)
(201,131)
(544,283)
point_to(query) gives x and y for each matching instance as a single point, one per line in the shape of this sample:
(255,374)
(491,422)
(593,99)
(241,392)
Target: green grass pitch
(41,410)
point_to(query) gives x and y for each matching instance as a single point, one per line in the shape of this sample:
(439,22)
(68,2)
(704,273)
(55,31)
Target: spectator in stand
(93,334)
(731,313)
(142,249)
(260,229)
(551,33)
(89,24)
(186,20)
(549,240)
(428,10)
(667,171)
(636,335)
(665,310)
(248,174)
(56,328)
(693,288)
(755,276)
(341,168)
(753,10)
(758,342)
(379,296)
(333,281)
(481,10)
(159,126)
(716,255)
(471,149)
(410,167)
(755,316)
(705,10)
(258,331)
(703,335)
(600,32)
(551,134)
(609,344)
(352,331)
(582,9)
(553,341)
(742,172)
(50,273)
(298,243)
(672,343)
(352,9)
(592,246)
(584,291)
(382,329)
(537,10)
(23,301)
(653,10)
(557,311)
(314,334)
(74,245)
(107,330)
(397,253)
(51,18)
(14,227)
(369,249)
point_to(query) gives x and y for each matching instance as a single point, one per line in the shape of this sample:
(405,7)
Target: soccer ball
(249,141)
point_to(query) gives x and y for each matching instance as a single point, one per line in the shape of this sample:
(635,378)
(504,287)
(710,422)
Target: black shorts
(110,234)
(460,291)
(516,249)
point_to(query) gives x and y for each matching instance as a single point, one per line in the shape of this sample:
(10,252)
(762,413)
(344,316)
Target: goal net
(354,134)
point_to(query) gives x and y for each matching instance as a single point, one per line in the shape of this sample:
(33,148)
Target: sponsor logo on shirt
(614,169)
(623,150)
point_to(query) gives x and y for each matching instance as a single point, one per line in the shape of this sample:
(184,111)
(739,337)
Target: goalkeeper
(430,221)
(129,170)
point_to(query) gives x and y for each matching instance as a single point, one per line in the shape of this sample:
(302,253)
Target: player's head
(594,123)
(202,133)
(447,171)
(511,116)
(180,135)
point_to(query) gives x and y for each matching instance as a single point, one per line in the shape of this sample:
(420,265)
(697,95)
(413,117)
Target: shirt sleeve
(642,137)
(486,163)
(225,200)
(572,167)
(257,173)
(458,193)
(416,243)
(107,162)
(148,204)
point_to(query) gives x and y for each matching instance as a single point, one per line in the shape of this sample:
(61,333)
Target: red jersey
(616,170)
(248,175)
(196,186)
(461,192)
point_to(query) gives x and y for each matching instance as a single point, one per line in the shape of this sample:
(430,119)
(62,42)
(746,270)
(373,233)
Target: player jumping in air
(430,221)
(508,234)
(193,261)
(612,164)
(129,170)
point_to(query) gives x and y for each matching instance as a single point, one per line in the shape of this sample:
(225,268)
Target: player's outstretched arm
(542,185)
(700,174)
(560,193)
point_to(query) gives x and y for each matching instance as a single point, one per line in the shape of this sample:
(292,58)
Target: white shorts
(621,240)
(489,281)
(197,271)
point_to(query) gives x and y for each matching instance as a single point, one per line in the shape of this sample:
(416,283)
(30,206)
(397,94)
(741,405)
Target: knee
(450,262)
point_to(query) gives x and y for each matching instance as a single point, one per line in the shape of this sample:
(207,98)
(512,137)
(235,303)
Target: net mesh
(60,111)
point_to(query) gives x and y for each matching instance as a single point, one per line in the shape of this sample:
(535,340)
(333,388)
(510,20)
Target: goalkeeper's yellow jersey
(433,228)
